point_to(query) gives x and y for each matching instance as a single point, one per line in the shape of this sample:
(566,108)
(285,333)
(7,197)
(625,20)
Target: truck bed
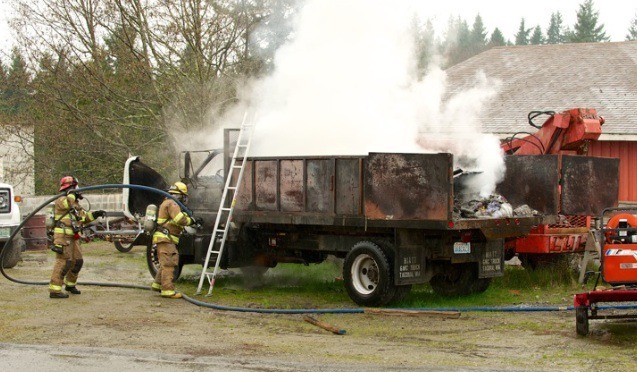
(378,190)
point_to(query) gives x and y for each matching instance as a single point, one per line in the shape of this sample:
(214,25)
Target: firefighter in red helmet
(170,224)
(68,217)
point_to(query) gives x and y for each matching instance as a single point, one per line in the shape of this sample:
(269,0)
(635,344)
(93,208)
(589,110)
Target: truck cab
(9,220)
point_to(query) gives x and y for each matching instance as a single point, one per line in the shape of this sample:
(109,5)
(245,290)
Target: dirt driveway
(128,321)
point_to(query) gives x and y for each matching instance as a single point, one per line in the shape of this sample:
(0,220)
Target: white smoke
(347,84)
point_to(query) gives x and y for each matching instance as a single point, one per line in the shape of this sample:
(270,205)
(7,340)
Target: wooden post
(323,325)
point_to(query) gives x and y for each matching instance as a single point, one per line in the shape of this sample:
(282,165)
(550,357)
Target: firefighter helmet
(67,182)
(178,188)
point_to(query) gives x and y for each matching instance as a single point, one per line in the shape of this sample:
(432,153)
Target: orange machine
(618,245)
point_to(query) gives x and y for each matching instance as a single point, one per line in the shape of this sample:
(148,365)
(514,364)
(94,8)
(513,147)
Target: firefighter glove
(98,214)
(197,222)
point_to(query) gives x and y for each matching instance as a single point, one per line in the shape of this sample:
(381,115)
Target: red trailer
(618,242)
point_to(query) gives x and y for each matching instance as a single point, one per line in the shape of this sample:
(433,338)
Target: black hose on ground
(253,310)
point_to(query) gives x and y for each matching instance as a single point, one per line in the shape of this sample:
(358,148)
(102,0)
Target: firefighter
(170,224)
(69,217)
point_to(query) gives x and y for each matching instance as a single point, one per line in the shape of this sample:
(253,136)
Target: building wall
(626,151)
(107,202)
(16,158)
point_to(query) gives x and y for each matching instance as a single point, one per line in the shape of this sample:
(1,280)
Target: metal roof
(556,77)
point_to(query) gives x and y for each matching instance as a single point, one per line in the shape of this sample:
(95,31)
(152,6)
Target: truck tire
(581,320)
(455,280)
(123,247)
(367,275)
(14,254)
(153,262)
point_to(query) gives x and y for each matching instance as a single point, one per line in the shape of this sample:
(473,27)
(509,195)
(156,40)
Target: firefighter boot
(155,287)
(168,294)
(72,289)
(58,295)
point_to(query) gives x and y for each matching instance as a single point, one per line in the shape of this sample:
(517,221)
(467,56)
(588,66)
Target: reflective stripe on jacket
(170,222)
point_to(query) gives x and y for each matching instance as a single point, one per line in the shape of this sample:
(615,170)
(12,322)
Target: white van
(9,221)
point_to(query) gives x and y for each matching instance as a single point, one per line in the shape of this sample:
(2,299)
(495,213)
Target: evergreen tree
(16,94)
(478,37)
(497,38)
(424,39)
(555,32)
(537,38)
(457,41)
(632,31)
(586,29)
(522,37)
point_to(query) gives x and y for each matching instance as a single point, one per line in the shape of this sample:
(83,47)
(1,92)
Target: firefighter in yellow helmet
(69,217)
(170,224)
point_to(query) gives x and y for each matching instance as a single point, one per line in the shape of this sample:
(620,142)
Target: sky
(616,15)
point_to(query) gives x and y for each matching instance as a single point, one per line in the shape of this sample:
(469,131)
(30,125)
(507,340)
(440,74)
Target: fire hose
(256,310)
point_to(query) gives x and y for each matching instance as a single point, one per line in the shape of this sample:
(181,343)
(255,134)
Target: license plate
(460,247)
(5,232)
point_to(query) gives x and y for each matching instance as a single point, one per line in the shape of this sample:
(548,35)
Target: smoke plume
(347,84)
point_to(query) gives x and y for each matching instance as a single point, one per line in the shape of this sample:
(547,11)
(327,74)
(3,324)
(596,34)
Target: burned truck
(390,216)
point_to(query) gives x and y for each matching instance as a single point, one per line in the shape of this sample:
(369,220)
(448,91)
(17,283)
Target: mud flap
(409,266)
(491,262)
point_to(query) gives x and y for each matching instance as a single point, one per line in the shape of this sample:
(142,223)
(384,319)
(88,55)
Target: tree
(586,29)
(457,46)
(497,38)
(129,76)
(522,37)
(555,31)
(632,31)
(478,36)
(16,92)
(424,40)
(537,38)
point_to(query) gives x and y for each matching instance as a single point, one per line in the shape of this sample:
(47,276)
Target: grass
(296,286)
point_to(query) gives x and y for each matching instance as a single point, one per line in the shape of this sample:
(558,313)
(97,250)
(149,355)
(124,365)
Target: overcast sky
(616,15)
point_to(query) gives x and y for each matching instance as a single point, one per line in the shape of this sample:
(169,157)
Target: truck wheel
(581,320)
(153,262)
(367,275)
(13,255)
(123,247)
(455,280)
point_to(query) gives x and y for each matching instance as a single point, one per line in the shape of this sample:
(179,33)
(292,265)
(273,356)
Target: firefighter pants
(67,265)
(168,260)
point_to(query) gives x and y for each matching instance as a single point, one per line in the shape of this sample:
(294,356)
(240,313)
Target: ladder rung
(232,187)
(215,252)
(225,209)
(237,166)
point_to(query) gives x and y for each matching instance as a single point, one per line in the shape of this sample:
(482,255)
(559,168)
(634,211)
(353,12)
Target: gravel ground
(108,327)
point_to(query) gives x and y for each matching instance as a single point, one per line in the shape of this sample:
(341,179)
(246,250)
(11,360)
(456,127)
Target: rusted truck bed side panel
(408,186)
(532,180)
(380,186)
(589,184)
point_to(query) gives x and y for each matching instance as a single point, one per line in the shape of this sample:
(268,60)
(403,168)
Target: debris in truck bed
(495,206)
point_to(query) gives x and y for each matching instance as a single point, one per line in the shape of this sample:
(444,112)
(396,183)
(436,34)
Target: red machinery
(618,243)
(565,133)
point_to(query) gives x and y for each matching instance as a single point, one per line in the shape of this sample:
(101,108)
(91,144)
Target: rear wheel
(367,275)
(152,260)
(12,256)
(581,320)
(123,247)
(455,280)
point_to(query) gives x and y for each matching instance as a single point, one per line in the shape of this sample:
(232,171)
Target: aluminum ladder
(224,214)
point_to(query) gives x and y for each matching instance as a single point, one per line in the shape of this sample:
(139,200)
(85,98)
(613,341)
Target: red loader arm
(569,131)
